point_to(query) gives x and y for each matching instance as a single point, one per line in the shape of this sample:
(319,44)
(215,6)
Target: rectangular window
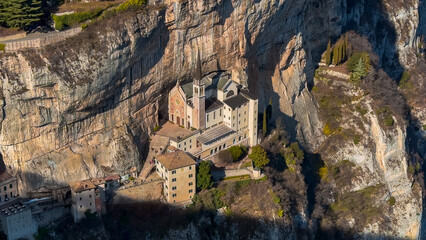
(81,206)
(174,180)
(179,146)
(5,188)
(174,172)
(207,117)
(220,112)
(173,188)
(214,114)
(190,190)
(191,183)
(80,198)
(10,186)
(184,143)
(190,167)
(190,175)
(90,196)
(174,195)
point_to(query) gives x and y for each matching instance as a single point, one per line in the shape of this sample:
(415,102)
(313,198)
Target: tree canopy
(204,177)
(20,13)
(259,156)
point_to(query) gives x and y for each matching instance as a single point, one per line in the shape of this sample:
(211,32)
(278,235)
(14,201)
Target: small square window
(190,167)
(174,195)
(173,171)
(190,175)
(174,180)
(81,206)
(174,188)
(190,190)
(191,183)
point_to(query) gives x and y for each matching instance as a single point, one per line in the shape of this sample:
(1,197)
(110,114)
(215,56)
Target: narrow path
(157,146)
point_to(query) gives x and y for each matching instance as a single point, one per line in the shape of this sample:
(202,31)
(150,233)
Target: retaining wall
(41,41)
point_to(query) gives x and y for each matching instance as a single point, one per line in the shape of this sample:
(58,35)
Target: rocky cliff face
(84,107)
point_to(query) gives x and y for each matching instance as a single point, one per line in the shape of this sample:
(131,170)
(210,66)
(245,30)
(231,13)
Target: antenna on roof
(198,73)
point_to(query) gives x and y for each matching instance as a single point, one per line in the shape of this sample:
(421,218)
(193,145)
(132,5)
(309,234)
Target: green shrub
(156,128)
(64,21)
(259,156)
(131,5)
(357,138)
(131,178)
(424,127)
(2,47)
(327,130)
(361,110)
(280,213)
(83,26)
(323,172)
(236,152)
(391,201)
(354,61)
(275,198)
(411,169)
(389,121)
(403,82)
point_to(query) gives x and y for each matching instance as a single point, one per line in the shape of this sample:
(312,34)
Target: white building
(17,221)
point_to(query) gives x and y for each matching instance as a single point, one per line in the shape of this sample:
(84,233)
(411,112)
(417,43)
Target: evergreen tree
(20,13)
(335,55)
(344,50)
(269,110)
(339,53)
(265,124)
(259,156)
(328,54)
(204,177)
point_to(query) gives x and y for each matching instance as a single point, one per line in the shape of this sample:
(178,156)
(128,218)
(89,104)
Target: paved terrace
(175,132)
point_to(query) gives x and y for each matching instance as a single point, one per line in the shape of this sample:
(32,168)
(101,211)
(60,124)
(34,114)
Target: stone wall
(48,39)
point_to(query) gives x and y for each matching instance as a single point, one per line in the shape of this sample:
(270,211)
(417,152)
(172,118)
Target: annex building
(209,114)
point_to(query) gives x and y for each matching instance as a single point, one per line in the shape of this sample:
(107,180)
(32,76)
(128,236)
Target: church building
(217,109)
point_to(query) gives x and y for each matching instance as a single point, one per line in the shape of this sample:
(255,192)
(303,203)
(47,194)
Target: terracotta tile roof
(114,177)
(82,185)
(98,181)
(175,160)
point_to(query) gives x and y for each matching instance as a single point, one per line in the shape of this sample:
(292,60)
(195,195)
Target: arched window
(230,93)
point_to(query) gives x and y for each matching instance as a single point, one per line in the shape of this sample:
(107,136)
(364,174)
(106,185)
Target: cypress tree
(335,55)
(265,124)
(20,13)
(339,53)
(328,54)
(269,109)
(344,50)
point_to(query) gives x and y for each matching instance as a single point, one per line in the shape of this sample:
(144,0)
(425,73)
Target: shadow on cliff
(265,52)
(157,220)
(374,23)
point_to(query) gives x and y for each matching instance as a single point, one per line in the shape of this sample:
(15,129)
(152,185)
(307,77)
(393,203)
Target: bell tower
(199,98)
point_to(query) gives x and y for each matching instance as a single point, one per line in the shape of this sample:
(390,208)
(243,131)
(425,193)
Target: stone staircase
(157,146)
